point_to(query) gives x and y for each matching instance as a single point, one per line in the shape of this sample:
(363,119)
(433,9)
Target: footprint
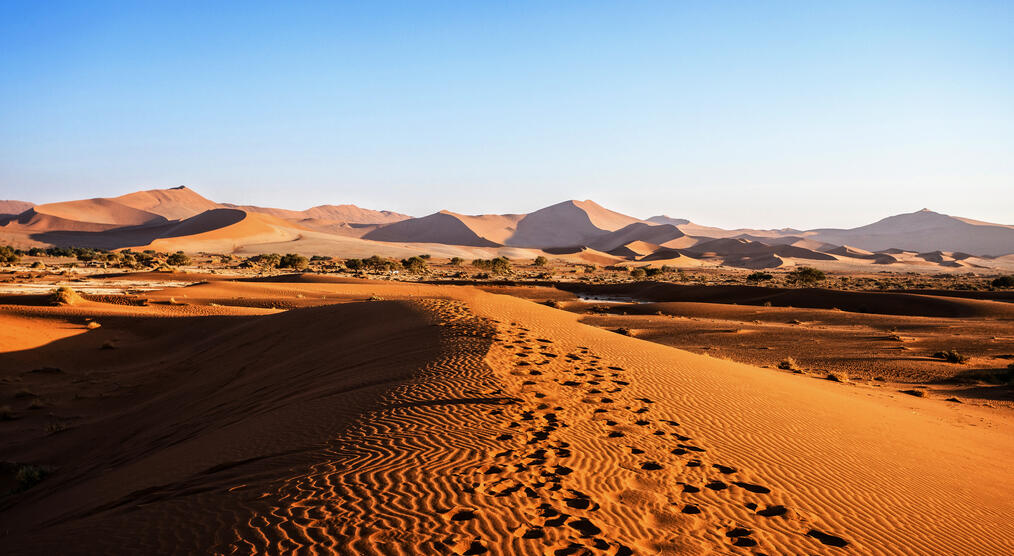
(757,489)
(830,540)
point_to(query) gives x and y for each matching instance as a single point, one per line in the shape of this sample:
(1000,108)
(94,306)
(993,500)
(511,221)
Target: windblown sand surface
(442,419)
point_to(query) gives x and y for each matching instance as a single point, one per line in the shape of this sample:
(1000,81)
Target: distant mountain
(924,230)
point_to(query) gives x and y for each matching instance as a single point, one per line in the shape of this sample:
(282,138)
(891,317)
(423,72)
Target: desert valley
(186,376)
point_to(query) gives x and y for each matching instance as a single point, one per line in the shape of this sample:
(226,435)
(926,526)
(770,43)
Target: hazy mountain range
(181,219)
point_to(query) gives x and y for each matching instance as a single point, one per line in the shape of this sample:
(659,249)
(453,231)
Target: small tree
(293,261)
(1003,282)
(759,277)
(540,261)
(456,261)
(415,265)
(8,255)
(806,276)
(178,258)
(266,260)
(354,264)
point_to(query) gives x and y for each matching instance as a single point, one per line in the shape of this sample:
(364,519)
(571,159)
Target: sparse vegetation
(64,296)
(540,261)
(806,276)
(9,255)
(1003,282)
(638,273)
(178,258)
(28,476)
(837,377)
(414,265)
(497,266)
(456,261)
(759,277)
(293,261)
(788,364)
(951,356)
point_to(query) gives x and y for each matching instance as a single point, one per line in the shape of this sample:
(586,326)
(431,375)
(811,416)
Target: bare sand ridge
(445,419)
(11,207)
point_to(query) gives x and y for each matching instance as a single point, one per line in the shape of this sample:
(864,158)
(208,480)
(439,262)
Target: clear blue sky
(762,114)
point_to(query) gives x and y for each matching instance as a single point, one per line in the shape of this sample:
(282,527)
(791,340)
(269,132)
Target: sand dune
(146,217)
(100,211)
(569,223)
(638,231)
(11,208)
(333,214)
(449,420)
(925,230)
(177,203)
(490,230)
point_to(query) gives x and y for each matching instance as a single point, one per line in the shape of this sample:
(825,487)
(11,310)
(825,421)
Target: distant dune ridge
(580,231)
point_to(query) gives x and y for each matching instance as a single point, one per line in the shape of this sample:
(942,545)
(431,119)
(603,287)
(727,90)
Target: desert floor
(317,415)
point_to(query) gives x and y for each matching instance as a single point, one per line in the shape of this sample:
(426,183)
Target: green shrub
(178,259)
(8,255)
(497,266)
(806,276)
(414,265)
(1003,282)
(759,277)
(293,261)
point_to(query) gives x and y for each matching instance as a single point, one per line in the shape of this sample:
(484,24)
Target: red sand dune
(449,420)
(100,211)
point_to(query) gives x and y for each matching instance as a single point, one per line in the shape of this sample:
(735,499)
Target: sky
(735,114)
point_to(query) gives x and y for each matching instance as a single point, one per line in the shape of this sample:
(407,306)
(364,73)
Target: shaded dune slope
(223,413)
(887,303)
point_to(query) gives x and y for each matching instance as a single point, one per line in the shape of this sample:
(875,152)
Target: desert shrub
(497,266)
(759,277)
(415,265)
(540,261)
(650,272)
(377,263)
(354,264)
(788,364)
(178,258)
(38,264)
(425,256)
(837,377)
(266,260)
(28,476)
(1003,282)
(456,261)
(36,252)
(8,255)
(638,273)
(806,276)
(293,261)
(951,356)
(63,296)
